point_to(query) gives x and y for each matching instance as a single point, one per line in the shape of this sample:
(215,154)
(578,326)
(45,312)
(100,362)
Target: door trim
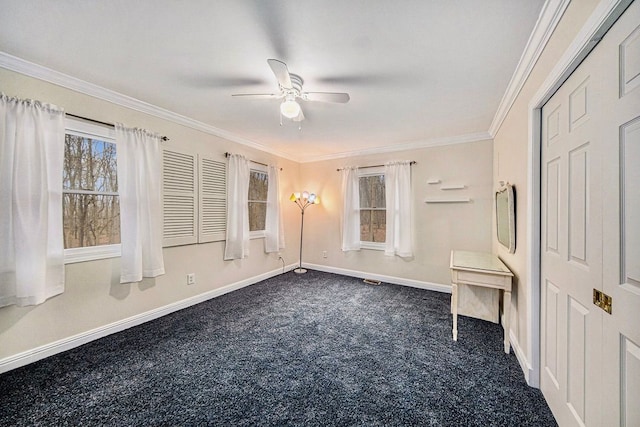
(601,20)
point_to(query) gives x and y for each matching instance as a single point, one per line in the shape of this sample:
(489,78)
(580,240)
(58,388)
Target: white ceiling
(417,71)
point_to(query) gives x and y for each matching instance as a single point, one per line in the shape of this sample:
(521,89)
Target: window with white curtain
(258,189)
(31,236)
(399,238)
(90,202)
(372,208)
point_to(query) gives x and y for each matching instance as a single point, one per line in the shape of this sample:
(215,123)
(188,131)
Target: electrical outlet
(324,254)
(191,279)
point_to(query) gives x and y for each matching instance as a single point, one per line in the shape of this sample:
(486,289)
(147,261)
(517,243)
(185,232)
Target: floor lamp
(303,201)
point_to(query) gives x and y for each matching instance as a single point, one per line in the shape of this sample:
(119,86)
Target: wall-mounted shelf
(434,181)
(453,187)
(460,200)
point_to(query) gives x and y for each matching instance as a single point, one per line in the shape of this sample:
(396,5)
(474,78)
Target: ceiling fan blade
(281,71)
(258,95)
(326,97)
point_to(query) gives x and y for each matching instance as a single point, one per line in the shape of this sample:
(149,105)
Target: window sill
(91,253)
(256,234)
(372,245)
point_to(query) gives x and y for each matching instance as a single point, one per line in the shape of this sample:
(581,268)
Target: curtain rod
(164,138)
(227,154)
(412,162)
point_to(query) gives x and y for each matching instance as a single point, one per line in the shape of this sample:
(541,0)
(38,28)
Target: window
(372,209)
(258,186)
(90,202)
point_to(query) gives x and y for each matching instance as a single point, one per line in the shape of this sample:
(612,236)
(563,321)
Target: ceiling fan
(291,90)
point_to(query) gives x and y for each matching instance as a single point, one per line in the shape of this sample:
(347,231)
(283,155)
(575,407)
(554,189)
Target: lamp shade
(290,109)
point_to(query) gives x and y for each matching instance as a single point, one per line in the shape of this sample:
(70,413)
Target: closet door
(571,248)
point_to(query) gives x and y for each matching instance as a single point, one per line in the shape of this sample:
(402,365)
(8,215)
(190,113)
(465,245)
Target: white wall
(439,228)
(94,297)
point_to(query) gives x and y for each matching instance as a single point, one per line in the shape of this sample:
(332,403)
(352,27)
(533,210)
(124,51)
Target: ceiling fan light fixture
(290,109)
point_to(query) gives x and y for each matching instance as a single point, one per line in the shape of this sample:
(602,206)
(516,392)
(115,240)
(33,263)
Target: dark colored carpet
(317,349)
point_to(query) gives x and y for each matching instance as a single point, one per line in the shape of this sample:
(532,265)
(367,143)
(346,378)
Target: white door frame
(601,20)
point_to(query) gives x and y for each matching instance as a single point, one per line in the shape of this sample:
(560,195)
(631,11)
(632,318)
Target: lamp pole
(303,201)
(301,270)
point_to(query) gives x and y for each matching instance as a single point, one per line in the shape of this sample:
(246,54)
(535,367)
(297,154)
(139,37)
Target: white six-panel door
(571,248)
(590,214)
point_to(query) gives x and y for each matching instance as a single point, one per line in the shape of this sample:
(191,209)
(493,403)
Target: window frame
(373,171)
(257,167)
(107,134)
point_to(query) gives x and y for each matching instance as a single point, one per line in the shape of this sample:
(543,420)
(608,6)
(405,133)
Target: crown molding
(414,145)
(594,29)
(19,65)
(547,22)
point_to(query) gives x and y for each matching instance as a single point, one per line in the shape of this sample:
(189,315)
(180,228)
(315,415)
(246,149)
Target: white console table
(485,270)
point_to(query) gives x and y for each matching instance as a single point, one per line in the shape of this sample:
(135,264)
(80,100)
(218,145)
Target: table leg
(506,310)
(454,309)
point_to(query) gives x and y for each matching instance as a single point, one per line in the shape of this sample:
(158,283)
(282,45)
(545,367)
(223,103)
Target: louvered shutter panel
(180,197)
(213,200)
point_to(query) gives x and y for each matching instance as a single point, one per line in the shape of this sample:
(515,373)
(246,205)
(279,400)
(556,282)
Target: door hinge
(602,300)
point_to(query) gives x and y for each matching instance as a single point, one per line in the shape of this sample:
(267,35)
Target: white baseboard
(522,358)
(35,354)
(387,279)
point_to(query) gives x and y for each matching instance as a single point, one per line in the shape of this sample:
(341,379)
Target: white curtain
(139,187)
(274,229)
(31,161)
(350,220)
(397,177)
(237,244)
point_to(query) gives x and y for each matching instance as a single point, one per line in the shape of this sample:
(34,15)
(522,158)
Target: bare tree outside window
(373,215)
(258,186)
(91,206)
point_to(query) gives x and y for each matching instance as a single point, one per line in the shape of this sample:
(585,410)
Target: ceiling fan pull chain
(280,119)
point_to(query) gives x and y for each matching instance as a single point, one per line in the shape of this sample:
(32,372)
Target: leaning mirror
(506,217)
